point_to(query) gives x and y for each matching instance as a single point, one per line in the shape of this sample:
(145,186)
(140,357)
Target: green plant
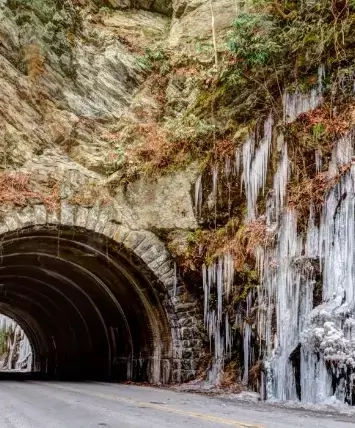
(153,58)
(318,130)
(254,40)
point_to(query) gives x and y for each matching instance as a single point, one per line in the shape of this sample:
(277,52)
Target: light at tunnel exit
(15,348)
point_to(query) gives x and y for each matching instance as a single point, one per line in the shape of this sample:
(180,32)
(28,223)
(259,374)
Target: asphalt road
(30,404)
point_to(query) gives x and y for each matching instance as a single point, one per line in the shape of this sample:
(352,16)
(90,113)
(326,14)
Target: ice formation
(255,164)
(198,196)
(296,103)
(305,303)
(217,284)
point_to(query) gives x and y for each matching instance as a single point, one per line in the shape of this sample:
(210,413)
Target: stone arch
(96,298)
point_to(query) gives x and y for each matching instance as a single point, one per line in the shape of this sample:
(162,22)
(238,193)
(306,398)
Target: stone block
(104,217)
(3,228)
(121,233)
(93,217)
(165,270)
(176,377)
(67,214)
(134,239)
(184,307)
(53,217)
(109,230)
(82,214)
(26,217)
(187,375)
(40,213)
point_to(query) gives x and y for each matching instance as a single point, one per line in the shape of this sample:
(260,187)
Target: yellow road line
(163,408)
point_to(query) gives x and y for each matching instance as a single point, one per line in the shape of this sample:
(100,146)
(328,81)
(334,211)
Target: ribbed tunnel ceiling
(89,307)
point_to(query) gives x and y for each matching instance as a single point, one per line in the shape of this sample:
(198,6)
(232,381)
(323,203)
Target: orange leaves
(313,190)
(243,244)
(156,151)
(15,189)
(332,122)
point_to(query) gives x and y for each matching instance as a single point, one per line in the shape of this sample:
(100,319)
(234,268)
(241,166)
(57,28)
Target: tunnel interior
(90,308)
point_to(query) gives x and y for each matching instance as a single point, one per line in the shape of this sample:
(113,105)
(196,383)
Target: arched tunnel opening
(90,308)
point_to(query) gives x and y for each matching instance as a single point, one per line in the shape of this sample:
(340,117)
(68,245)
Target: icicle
(255,163)
(198,196)
(297,103)
(247,340)
(228,273)
(280,181)
(322,336)
(219,290)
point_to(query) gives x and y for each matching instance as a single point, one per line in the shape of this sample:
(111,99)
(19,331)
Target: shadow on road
(31,376)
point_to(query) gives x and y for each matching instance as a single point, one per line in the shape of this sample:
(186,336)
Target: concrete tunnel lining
(90,308)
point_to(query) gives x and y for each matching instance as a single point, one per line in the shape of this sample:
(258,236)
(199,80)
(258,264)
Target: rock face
(193,20)
(69,80)
(72,76)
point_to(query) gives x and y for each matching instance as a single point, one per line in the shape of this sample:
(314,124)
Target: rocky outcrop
(192,20)
(71,77)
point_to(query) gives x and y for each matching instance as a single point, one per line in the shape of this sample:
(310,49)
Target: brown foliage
(15,190)
(229,379)
(306,187)
(236,239)
(334,124)
(157,151)
(255,372)
(222,148)
(314,190)
(245,241)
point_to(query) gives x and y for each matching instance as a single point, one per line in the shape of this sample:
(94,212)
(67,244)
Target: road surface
(31,404)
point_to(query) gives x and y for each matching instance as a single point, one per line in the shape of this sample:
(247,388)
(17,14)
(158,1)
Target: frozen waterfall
(305,301)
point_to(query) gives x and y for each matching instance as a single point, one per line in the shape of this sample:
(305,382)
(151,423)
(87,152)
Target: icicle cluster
(255,163)
(217,287)
(306,299)
(297,103)
(318,341)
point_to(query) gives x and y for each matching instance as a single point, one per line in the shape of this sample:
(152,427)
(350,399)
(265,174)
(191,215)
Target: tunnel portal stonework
(175,344)
(76,102)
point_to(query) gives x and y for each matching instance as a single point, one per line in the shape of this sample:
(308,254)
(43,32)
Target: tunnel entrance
(90,308)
